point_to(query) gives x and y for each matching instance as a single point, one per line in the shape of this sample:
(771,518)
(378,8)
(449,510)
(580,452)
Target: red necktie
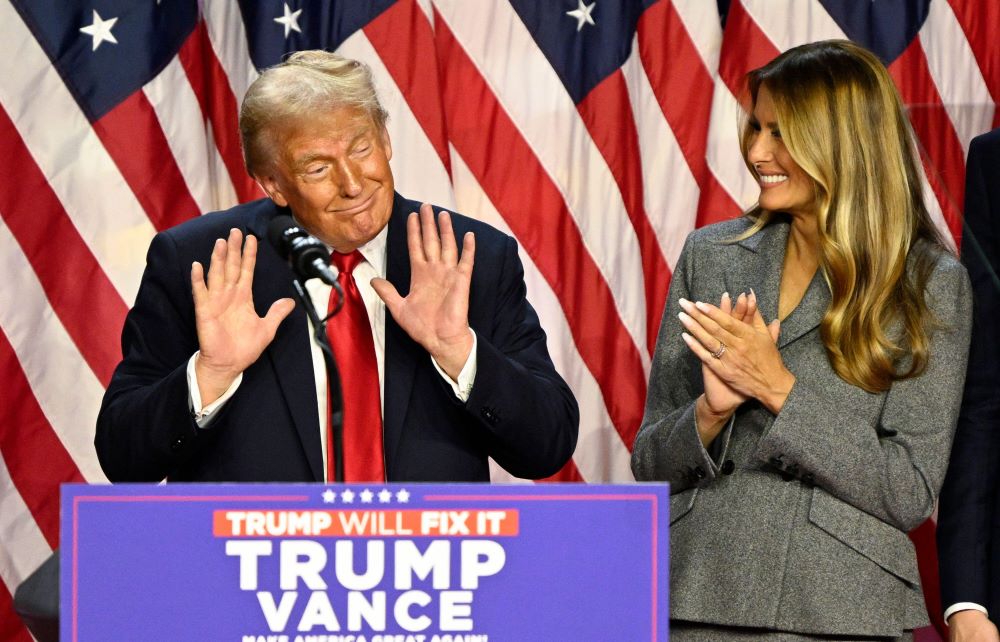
(350,335)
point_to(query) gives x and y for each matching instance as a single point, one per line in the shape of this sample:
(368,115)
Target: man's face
(332,170)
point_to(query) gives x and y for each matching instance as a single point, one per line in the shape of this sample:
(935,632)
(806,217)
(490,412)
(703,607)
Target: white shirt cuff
(964,606)
(463,387)
(203,415)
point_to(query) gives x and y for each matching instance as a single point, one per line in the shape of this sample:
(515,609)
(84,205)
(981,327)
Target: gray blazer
(798,522)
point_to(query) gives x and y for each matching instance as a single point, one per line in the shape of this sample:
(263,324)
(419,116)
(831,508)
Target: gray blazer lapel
(808,313)
(757,266)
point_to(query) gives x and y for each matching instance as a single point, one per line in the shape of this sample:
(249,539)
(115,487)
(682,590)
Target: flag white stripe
(701,21)
(532,94)
(789,23)
(69,395)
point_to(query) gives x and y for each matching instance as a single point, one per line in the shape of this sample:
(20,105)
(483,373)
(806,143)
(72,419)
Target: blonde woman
(804,421)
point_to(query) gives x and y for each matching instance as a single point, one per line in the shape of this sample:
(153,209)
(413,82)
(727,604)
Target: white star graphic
(582,14)
(100,31)
(403,496)
(366,496)
(329,496)
(385,496)
(290,20)
(347,496)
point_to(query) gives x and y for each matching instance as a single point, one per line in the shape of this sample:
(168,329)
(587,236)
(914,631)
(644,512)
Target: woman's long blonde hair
(842,121)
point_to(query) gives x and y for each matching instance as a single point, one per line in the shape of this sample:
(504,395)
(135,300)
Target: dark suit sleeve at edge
(144,428)
(527,413)
(966,525)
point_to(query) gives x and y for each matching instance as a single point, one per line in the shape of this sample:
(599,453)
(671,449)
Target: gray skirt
(681,631)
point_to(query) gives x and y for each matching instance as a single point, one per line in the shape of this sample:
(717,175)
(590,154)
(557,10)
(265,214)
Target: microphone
(306,254)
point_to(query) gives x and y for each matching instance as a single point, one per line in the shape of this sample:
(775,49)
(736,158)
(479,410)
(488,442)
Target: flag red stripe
(539,218)
(681,84)
(946,164)
(402,36)
(36,460)
(979,21)
(11,627)
(744,47)
(923,538)
(150,168)
(86,302)
(607,113)
(219,107)
(568,473)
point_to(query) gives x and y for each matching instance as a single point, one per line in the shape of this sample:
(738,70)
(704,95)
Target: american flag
(597,132)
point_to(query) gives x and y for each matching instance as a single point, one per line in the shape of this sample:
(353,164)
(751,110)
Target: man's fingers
(277,313)
(234,256)
(449,246)
(468,253)
(249,262)
(216,265)
(429,231)
(198,288)
(388,293)
(413,240)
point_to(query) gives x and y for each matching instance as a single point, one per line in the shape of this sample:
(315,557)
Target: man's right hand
(230,334)
(971,626)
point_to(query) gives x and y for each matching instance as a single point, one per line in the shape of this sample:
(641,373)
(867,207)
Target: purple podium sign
(354,563)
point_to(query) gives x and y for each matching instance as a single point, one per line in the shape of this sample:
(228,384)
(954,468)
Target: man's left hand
(436,311)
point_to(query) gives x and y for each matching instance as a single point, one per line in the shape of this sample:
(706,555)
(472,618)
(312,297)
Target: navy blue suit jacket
(968,530)
(520,412)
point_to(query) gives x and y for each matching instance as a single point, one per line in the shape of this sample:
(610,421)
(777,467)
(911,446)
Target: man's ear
(386,143)
(273,191)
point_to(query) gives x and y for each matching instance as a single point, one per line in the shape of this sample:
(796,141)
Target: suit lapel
(290,354)
(759,267)
(808,313)
(402,354)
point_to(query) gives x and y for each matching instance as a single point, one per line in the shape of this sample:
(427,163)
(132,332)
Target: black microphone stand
(334,391)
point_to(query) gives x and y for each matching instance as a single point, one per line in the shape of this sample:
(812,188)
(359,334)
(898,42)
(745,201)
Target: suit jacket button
(728,467)
(177,443)
(776,462)
(699,473)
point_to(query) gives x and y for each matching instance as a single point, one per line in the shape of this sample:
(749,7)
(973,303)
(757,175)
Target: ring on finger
(721,351)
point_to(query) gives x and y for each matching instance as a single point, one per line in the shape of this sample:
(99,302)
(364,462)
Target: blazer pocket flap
(866,534)
(681,503)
